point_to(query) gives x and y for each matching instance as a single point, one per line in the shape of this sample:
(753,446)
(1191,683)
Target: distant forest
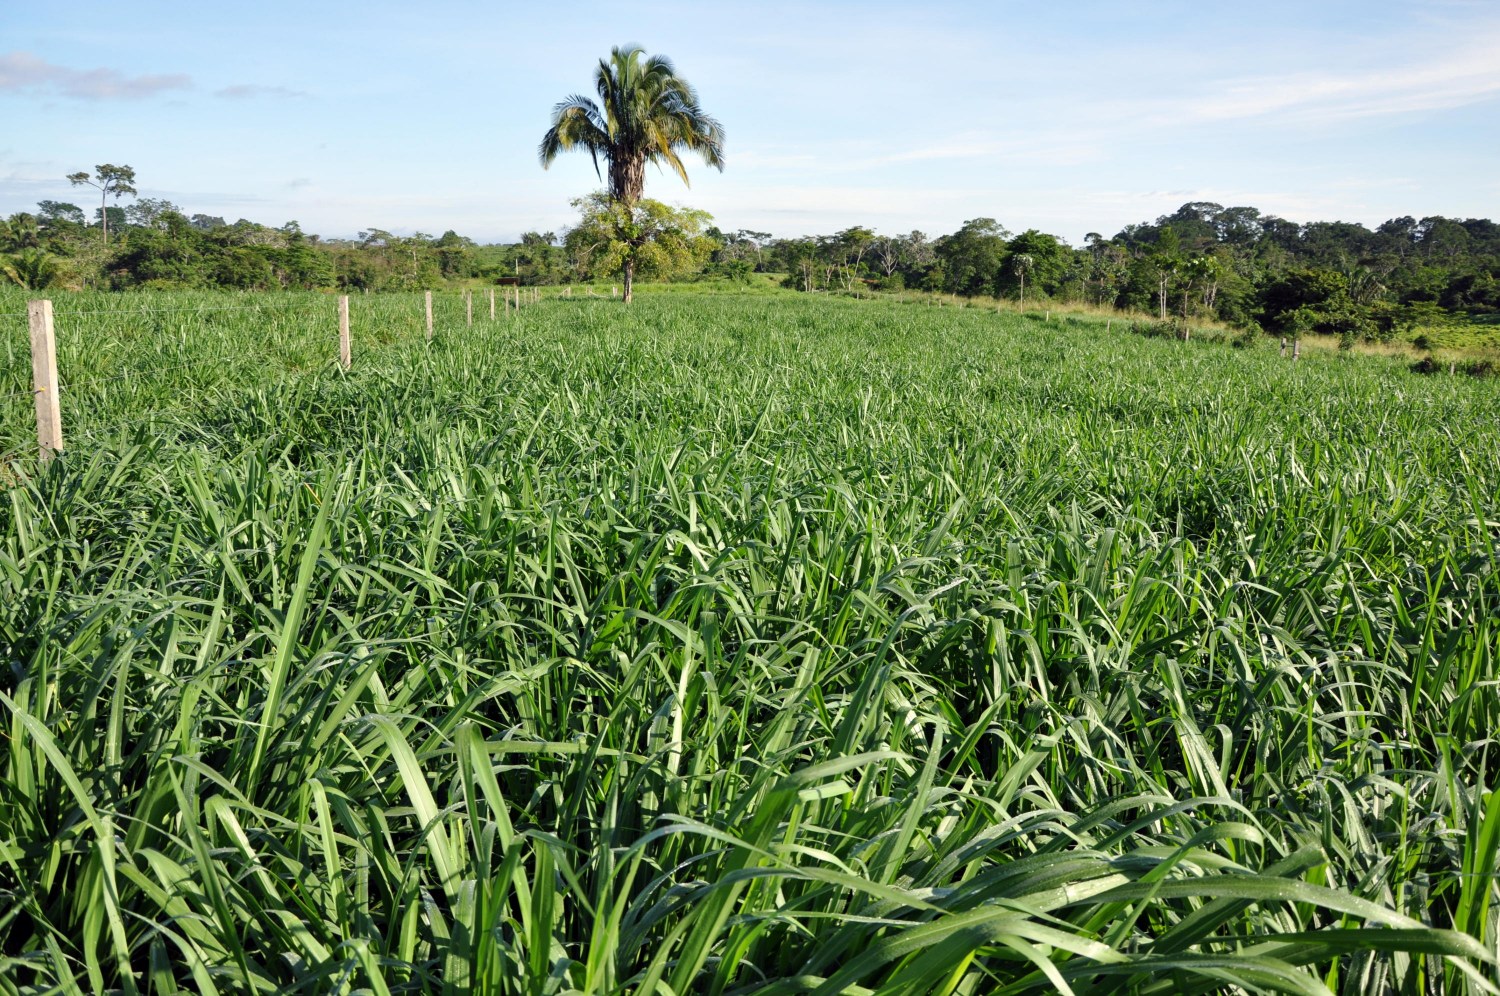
(1233,264)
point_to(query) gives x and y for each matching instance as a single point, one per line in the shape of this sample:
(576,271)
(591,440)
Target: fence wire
(158,311)
(137,373)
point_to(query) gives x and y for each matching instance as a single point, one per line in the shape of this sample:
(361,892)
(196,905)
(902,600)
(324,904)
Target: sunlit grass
(771,644)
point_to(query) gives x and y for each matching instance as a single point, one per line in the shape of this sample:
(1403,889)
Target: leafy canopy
(660,240)
(646,113)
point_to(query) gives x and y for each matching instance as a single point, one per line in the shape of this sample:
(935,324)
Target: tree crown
(646,113)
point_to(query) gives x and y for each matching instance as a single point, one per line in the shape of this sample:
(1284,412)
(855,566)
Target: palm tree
(32,269)
(649,114)
(1021,264)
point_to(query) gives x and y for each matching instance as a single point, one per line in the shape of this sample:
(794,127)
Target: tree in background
(1203,272)
(111,181)
(148,212)
(32,269)
(799,259)
(20,231)
(642,236)
(23,261)
(1020,264)
(1046,265)
(55,213)
(649,114)
(972,257)
(1165,260)
(847,250)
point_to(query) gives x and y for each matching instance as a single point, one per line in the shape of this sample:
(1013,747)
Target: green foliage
(972,257)
(111,181)
(1317,292)
(658,240)
(1048,264)
(646,114)
(737,270)
(33,269)
(715,646)
(1438,278)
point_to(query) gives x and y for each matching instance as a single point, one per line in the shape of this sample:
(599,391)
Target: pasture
(739,644)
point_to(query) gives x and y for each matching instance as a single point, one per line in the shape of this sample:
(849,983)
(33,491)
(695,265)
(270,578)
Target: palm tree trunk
(629,278)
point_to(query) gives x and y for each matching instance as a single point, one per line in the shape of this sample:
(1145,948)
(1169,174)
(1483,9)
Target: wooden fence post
(1297,349)
(468,307)
(345,355)
(1283,345)
(44,378)
(429,314)
(492,304)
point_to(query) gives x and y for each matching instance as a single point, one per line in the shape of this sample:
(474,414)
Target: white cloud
(249,91)
(22,72)
(1467,76)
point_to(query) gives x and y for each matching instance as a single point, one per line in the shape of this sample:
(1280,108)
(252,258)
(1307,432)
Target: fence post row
(492,304)
(345,356)
(44,378)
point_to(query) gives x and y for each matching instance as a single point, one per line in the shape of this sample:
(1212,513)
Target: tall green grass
(762,645)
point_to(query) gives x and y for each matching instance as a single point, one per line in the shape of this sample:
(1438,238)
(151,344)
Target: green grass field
(740,644)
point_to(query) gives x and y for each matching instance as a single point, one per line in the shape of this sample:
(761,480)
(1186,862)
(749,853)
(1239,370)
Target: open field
(764,644)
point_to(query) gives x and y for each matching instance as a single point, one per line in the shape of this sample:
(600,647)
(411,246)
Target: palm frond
(576,123)
(645,113)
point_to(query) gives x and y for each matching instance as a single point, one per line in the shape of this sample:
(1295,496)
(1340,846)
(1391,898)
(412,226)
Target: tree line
(1233,264)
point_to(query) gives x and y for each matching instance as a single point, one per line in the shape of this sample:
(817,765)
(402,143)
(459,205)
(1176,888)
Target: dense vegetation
(753,645)
(1407,279)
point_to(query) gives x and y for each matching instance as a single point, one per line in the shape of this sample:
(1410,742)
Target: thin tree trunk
(629,279)
(104,215)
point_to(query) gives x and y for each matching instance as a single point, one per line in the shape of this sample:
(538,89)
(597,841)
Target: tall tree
(1166,260)
(646,113)
(972,257)
(111,181)
(1021,264)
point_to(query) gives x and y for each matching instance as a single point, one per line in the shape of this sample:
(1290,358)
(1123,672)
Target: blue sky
(1065,116)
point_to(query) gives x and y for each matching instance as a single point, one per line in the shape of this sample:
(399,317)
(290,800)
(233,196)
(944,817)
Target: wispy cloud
(23,72)
(1466,74)
(249,91)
